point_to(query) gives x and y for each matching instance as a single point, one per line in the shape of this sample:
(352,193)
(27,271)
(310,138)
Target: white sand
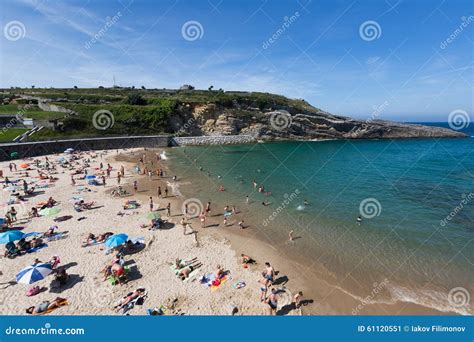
(86,292)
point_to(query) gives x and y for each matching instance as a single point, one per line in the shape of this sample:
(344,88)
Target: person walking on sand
(166,191)
(297,299)
(290,235)
(241,224)
(73,182)
(272,302)
(247,199)
(202,217)
(159,192)
(225,221)
(103,180)
(185,209)
(208,208)
(135,185)
(269,272)
(151,203)
(108,172)
(122,171)
(168,209)
(118,177)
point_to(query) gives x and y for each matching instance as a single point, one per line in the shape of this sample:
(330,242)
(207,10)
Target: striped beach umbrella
(11,235)
(116,240)
(33,273)
(49,211)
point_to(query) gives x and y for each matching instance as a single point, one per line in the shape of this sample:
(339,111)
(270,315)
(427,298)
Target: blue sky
(408,72)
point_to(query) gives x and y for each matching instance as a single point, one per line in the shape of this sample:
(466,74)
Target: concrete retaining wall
(31,149)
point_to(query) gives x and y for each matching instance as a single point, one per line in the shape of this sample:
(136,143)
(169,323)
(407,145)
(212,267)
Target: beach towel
(32,234)
(56,236)
(210,280)
(239,285)
(190,276)
(217,283)
(33,250)
(61,304)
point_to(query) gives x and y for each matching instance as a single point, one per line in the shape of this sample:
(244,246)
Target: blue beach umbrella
(10,236)
(33,273)
(116,240)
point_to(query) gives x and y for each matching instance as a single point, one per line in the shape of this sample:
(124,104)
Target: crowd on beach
(89,173)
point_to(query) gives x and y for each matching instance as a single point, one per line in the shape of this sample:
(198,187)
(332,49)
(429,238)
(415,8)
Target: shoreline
(327,298)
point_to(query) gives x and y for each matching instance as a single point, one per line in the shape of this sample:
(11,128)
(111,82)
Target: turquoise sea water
(407,188)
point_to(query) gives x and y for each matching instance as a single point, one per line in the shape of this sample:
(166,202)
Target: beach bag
(33,291)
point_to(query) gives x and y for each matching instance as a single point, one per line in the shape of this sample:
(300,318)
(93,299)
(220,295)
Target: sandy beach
(149,267)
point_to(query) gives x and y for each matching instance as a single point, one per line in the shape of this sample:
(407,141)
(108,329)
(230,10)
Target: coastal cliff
(129,111)
(286,122)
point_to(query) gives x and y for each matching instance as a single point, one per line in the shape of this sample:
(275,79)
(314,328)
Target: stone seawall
(32,149)
(213,140)
(39,148)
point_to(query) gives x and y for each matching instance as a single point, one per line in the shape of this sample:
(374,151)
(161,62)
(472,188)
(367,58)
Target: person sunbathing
(130,297)
(36,242)
(247,259)
(186,271)
(51,202)
(46,305)
(220,272)
(51,231)
(181,263)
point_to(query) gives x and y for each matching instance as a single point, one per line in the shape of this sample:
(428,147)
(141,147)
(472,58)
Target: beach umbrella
(11,235)
(116,240)
(90,177)
(49,211)
(24,166)
(153,215)
(33,273)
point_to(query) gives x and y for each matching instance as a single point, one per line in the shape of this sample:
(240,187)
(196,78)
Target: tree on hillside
(136,99)
(210,88)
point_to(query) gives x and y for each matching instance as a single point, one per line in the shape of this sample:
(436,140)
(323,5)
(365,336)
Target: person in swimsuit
(45,306)
(272,302)
(269,272)
(186,271)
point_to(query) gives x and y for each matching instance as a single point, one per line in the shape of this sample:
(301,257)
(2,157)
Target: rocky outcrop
(292,123)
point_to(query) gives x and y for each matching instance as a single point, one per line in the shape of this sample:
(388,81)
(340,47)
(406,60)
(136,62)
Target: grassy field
(34,113)
(10,134)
